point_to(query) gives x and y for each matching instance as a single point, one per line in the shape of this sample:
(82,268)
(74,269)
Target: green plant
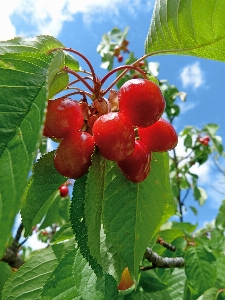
(117,223)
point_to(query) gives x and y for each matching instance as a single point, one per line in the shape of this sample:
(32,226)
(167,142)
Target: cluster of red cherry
(127,136)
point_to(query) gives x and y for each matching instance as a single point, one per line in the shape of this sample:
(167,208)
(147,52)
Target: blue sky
(81,24)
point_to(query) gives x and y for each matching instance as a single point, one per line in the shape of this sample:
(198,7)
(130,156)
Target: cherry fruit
(159,137)
(126,281)
(136,166)
(73,156)
(120,58)
(63,190)
(114,136)
(141,101)
(205,140)
(63,115)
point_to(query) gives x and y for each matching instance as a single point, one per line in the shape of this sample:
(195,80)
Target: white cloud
(192,75)
(47,17)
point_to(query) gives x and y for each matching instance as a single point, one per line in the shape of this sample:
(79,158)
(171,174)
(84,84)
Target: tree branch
(11,256)
(162,262)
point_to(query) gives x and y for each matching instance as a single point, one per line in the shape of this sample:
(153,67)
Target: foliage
(114,221)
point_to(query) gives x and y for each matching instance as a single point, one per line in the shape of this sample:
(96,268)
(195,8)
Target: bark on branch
(162,262)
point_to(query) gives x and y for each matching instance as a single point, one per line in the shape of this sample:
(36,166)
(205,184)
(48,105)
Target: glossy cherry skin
(114,136)
(136,166)
(63,115)
(73,156)
(159,137)
(63,190)
(141,101)
(126,281)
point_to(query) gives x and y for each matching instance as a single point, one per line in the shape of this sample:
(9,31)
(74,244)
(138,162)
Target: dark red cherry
(63,115)
(159,137)
(136,166)
(141,101)
(63,190)
(73,156)
(114,136)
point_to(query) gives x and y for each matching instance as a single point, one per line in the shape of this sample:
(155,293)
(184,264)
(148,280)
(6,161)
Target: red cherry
(204,140)
(63,190)
(161,136)
(114,136)
(141,101)
(73,156)
(63,115)
(136,166)
(141,64)
(120,58)
(207,138)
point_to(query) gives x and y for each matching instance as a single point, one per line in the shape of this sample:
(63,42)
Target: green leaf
(211,129)
(177,284)
(28,281)
(200,268)
(220,280)
(187,27)
(184,226)
(217,240)
(60,284)
(52,214)
(150,282)
(130,208)
(200,194)
(194,210)
(5,272)
(78,223)
(93,203)
(217,142)
(59,82)
(23,91)
(188,141)
(210,294)
(43,184)
(220,219)
(64,233)
(89,286)
(71,62)
(41,44)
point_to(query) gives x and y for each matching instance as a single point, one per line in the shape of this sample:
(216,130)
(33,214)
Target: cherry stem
(66,69)
(79,54)
(126,67)
(75,81)
(79,93)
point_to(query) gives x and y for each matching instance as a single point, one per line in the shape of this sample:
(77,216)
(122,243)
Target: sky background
(81,24)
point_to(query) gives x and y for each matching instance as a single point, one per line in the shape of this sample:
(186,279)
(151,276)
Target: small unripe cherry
(136,166)
(141,101)
(126,281)
(63,190)
(63,115)
(73,156)
(159,137)
(114,136)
